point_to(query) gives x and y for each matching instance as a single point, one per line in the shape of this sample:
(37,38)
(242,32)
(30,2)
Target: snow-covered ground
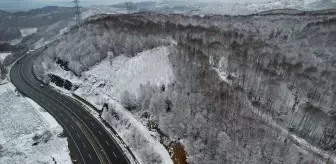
(141,141)
(28,134)
(114,77)
(28,31)
(3,56)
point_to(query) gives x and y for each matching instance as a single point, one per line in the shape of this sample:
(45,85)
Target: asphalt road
(89,142)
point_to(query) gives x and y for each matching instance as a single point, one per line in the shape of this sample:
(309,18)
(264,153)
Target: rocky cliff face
(248,89)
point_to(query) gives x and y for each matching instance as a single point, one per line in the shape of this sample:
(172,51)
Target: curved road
(89,142)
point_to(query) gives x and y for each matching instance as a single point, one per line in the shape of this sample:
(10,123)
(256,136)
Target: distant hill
(144,5)
(11,23)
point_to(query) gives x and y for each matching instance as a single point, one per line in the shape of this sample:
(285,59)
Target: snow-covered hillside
(231,89)
(225,7)
(114,76)
(109,80)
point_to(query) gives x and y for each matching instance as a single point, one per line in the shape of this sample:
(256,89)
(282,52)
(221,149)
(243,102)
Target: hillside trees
(279,87)
(128,100)
(3,71)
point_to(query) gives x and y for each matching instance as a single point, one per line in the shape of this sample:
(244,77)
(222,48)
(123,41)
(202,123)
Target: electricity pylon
(128,5)
(77,12)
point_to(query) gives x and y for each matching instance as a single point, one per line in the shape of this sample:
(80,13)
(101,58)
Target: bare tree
(128,100)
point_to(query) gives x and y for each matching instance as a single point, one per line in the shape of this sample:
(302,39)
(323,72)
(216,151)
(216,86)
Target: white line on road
(66,120)
(72,127)
(115,155)
(92,124)
(78,135)
(107,143)
(85,117)
(99,132)
(84,145)
(90,156)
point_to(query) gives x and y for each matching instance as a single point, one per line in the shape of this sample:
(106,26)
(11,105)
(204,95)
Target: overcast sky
(23,5)
(18,5)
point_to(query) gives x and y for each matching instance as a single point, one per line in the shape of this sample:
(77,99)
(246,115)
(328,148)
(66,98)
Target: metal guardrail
(106,124)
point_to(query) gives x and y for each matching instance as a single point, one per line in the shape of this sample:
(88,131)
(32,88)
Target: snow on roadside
(44,114)
(3,56)
(28,31)
(28,134)
(138,137)
(58,71)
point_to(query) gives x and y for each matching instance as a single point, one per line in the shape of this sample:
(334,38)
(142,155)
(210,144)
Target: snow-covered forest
(234,89)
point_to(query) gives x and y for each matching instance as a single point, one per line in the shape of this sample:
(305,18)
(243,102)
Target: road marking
(92,124)
(115,155)
(85,117)
(107,143)
(61,114)
(99,132)
(84,145)
(72,127)
(66,120)
(78,135)
(90,156)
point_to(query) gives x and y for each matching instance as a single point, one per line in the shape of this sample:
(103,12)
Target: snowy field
(28,31)
(28,134)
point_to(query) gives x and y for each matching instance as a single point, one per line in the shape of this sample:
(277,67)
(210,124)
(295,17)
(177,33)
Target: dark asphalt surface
(88,140)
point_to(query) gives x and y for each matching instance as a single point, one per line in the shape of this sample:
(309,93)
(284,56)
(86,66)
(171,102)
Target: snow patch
(68,75)
(122,73)
(16,41)
(3,56)
(28,31)
(223,75)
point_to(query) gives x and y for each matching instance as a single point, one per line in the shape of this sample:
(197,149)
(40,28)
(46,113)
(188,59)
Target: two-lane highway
(89,142)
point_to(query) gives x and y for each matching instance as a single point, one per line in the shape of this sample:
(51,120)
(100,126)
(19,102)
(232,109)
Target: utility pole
(128,5)
(77,12)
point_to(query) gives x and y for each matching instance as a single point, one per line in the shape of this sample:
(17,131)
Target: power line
(77,12)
